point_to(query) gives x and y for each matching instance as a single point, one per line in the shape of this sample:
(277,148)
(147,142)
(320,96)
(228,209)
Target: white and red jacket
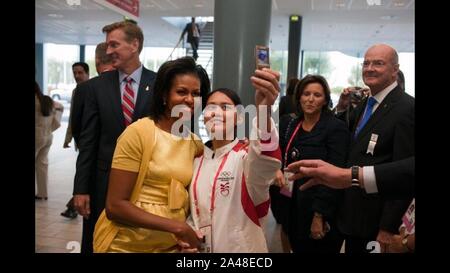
(241,200)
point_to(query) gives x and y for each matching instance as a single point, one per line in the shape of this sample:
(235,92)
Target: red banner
(129,8)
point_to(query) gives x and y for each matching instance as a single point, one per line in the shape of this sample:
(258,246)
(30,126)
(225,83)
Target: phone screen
(262,57)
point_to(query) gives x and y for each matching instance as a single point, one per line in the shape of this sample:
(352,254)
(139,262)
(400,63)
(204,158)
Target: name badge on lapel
(372,143)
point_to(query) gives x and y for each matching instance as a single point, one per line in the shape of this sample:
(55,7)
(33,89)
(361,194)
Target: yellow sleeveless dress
(164,188)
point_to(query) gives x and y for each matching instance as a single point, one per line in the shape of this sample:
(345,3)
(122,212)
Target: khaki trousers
(41,164)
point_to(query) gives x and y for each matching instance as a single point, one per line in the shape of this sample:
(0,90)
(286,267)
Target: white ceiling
(349,26)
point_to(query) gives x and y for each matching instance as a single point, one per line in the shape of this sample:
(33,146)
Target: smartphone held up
(262,57)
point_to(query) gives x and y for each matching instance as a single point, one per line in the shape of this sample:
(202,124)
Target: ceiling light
(374,2)
(73,2)
(388,17)
(199,5)
(340,4)
(54,15)
(399,3)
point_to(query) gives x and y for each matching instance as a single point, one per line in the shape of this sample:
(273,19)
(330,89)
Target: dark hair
(401,80)
(45,102)
(100,53)
(301,87)
(84,65)
(233,96)
(164,80)
(130,21)
(131,30)
(291,86)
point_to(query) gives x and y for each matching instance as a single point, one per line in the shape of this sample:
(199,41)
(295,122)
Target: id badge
(372,143)
(206,245)
(287,189)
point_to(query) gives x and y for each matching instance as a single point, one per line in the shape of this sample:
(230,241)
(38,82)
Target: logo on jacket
(225,177)
(225,188)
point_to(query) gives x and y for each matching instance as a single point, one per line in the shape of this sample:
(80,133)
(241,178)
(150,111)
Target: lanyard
(213,194)
(290,140)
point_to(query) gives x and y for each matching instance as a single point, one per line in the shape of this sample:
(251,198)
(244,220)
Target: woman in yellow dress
(147,201)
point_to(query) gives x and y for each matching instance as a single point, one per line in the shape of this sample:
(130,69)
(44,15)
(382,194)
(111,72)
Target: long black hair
(45,102)
(164,80)
(233,96)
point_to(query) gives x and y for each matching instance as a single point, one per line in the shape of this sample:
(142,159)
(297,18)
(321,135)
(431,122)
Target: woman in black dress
(314,134)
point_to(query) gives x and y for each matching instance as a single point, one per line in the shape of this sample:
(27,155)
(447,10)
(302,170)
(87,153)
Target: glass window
(407,66)
(58,60)
(153,57)
(89,58)
(278,62)
(340,70)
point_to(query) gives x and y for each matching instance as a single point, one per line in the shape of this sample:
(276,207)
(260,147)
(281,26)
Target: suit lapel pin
(147,88)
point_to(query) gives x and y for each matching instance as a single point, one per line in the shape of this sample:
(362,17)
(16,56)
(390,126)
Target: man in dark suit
(394,180)
(113,101)
(193,31)
(383,131)
(81,74)
(103,63)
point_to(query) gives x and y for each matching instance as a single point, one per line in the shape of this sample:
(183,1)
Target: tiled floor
(57,234)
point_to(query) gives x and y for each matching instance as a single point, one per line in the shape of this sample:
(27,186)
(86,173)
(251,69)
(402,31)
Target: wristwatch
(355,176)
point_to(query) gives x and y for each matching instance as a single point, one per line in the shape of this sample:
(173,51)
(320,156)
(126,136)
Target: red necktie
(128,101)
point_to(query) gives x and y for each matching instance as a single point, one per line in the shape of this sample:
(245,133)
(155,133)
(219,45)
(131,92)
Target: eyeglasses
(375,64)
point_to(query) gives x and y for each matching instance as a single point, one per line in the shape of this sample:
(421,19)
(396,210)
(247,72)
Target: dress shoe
(68,213)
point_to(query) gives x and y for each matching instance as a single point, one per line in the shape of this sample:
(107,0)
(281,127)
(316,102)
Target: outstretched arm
(264,156)
(400,178)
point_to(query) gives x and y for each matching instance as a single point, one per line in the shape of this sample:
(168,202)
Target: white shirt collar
(136,75)
(208,153)
(383,93)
